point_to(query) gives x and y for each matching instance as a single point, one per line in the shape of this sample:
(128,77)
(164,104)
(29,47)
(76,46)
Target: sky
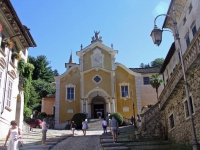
(60,27)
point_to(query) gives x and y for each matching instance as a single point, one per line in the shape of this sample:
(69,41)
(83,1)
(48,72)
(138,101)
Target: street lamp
(156,35)
(133,110)
(134,116)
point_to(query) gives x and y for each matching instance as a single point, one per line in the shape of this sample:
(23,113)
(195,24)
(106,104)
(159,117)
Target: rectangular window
(70,93)
(146,80)
(186,107)
(194,30)
(179,56)
(184,20)
(171,121)
(124,91)
(9,94)
(187,41)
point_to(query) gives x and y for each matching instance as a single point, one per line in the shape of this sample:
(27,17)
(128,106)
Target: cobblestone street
(88,142)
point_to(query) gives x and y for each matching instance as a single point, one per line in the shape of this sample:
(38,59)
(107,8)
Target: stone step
(138,143)
(116,148)
(118,141)
(154,147)
(112,144)
(38,147)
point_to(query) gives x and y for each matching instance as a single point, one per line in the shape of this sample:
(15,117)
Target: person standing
(104,125)
(14,134)
(73,127)
(114,128)
(84,127)
(44,130)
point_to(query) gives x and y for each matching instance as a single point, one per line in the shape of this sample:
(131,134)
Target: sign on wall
(70,111)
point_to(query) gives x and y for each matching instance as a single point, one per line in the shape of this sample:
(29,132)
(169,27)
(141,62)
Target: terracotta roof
(168,57)
(146,70)
(15,22)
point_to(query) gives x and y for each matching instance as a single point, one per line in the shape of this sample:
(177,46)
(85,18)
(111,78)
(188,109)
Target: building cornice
(96,44)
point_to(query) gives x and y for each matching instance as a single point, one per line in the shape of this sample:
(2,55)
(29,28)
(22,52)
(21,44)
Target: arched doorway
(98,107)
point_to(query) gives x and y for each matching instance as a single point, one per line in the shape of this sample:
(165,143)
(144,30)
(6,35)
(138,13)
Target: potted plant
(8,43)
(15,55)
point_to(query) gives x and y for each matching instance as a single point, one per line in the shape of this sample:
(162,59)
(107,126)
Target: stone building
(172,110)
(98,85)
(15,39)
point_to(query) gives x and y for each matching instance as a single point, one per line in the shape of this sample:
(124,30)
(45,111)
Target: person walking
(44,130)
(132,120)
(84,127)
(73,127)
(104,125)
(114,128)
(14,134)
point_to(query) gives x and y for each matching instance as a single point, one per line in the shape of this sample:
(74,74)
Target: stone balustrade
(150,114)
(190,57)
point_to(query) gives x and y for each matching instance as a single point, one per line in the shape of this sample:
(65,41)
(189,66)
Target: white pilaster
(138,93)
(113,101)
(57,104)
(82,109)
(86,105)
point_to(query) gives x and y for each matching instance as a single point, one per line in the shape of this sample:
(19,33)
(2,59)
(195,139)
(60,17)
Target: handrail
(26,127)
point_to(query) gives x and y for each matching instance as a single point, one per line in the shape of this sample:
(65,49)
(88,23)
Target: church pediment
(95,45)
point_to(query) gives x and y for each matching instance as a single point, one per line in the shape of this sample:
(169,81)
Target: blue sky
(60,27)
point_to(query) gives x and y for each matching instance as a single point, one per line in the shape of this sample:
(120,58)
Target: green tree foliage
(43,88)
(34,97)
(25,73)
(42,69)
(158,62)
(27,112)
(36,76)
(118,117)
(155,82)
(55,73)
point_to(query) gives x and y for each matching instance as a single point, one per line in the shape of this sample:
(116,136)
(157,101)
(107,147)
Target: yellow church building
(98,85)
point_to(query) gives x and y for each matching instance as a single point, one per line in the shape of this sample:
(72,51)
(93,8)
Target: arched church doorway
(98,107)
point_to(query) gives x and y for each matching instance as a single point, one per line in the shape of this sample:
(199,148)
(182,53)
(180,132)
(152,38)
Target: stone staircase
(32,140)
(95,124)
(127,141)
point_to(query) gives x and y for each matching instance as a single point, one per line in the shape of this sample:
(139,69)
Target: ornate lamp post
(156,35)
(134,116)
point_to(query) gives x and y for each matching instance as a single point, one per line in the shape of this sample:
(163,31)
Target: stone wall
(182,130)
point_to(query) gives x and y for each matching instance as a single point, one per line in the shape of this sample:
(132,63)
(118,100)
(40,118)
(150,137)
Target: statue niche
(97,58)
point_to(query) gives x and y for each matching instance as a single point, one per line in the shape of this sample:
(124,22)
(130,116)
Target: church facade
(96,86)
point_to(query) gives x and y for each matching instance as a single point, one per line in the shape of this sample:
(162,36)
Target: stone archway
(98,107)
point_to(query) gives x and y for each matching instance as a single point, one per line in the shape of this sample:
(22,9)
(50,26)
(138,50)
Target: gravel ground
(80,142)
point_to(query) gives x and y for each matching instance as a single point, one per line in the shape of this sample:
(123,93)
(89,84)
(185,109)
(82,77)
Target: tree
(55,73)
(42,69)
(43,88)
(155,82)
(158,62)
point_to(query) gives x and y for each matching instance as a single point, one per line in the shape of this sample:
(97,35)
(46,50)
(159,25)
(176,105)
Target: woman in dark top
(73,127)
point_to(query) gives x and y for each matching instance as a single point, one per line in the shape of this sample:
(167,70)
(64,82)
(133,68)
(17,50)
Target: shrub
(27,112)
(78,118)
(118,117)
(43,115)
